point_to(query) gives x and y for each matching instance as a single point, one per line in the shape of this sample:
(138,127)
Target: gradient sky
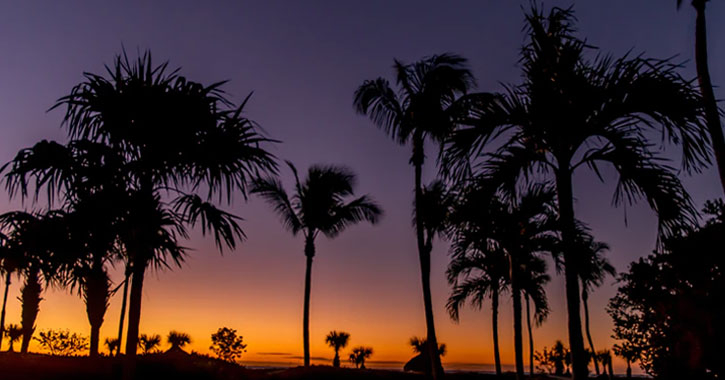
(303,60)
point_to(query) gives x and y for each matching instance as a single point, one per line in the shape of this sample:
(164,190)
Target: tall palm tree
(476,274)
(165,125)
(318,206)
(424,107)
(337,340)
(712,112)
(534,282)
(572,113)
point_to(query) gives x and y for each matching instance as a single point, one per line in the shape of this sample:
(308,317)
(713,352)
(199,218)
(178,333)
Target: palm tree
(8,266)
(124,300)
(149,343)
(534,282)
(14,333)
(337,340)
(572,113)
(477,273)
(112,344)
(423,108)
(712,112)
(164,127)
(359,355)
(177,340)
(317,206)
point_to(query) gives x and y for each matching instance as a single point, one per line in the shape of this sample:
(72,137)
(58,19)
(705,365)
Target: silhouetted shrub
(62,343)
(227,345)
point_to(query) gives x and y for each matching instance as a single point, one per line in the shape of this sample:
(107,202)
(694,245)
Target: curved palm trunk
(703,78)
(424,257)
(494,322)
(96,296)
(2,313)
(531,336)
(518,341)
(309,253)
(585,298)
(566,215)
(134,318)
(30,299)
(123,310)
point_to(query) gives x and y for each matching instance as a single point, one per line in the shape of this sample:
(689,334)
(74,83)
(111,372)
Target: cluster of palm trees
(151,154)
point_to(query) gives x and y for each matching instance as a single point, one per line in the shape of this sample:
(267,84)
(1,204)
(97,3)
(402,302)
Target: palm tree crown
(177,339)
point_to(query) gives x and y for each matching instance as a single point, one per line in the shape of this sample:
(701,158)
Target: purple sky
(303,60)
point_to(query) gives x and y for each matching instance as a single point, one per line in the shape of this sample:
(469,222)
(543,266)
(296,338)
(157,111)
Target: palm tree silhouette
(423,108)
(534,281)
(337,340)
(317,206)
(359,355)
(149,343)
(712,112)
(9,265)
(571,113)
(165,126)
(177,340)
(112,345)
(13,333)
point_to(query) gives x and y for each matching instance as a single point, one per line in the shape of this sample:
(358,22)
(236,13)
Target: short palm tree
(13,332)
(177,340)
(149,343)
(318,206)
(112,345)
(572,113)
(423,107)
(712,112)
(337,340)
(359,355)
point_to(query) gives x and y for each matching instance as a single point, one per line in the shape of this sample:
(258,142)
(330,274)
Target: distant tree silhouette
(359,355)
(62,342)
(227,345)
(9,265)
(712,113)
(668,308)
(149,343)
(424,107)
(13,332)
(178,340)
(112,345)
(337,340)
(572,112)
(605,357)
(318,205)
(165,126)
(421,362)
(627,352)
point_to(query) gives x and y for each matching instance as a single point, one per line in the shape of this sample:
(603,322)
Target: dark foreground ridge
(159,366)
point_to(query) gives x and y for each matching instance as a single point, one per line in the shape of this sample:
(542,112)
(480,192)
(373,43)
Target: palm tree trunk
(424,257)
(30,299)
(494,322)
(531,336)
(96,297)
(703,77)
(336,359)
(518,341)
(629,369)
(585,298)
(123,309)
(566,214)
(309,253)
(611,369)
(2,313)
(134,318)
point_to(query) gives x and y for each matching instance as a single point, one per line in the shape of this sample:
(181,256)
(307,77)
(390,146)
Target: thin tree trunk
(566,214)
(629,369)
(134,318)
(531,336)
(494,319)
(30,299)
(518,341)
(585,303)
(309,253)
(336,359)
(123,309)
(703,77)
(611,369)
(424,257)
(2,313)
(96,292)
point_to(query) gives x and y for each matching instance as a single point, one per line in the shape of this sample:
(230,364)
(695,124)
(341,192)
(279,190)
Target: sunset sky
(303,60)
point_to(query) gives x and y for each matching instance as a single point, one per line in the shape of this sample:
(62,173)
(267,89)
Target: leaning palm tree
(13,333)
(572,113)
(337,340)
(423,108)
(317,206)
(164,127)
(149,343)
(177,340)
(359,355)
(712,112)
